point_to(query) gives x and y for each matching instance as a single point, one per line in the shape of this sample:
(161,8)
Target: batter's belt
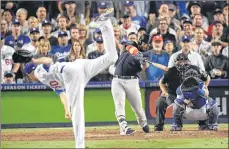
(125,77)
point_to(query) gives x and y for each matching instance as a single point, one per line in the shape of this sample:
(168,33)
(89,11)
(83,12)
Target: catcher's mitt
(22,56)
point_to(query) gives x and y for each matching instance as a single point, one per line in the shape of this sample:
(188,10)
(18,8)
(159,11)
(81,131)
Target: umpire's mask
(182,62)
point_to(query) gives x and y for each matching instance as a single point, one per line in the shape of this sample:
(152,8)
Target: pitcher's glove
(22,56)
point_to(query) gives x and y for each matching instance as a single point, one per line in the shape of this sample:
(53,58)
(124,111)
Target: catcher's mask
(182,62)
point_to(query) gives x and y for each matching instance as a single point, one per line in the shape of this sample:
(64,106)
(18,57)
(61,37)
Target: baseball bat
(160,66)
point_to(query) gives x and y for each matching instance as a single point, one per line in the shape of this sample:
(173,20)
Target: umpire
(168,85)
(125,84)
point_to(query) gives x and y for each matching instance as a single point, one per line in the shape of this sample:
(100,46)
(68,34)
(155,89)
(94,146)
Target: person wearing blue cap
(60,51)
(16,40)
(8,78)
(92,47)
(46,30)
(139,20)
(169,47)
(68,79)
(186,48)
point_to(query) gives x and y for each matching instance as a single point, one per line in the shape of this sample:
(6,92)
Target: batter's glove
(22,56)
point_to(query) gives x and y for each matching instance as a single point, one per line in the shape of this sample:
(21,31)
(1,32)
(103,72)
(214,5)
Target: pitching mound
(106,134)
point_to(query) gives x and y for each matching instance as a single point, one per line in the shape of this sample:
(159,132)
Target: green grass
(46,107)
(160,143)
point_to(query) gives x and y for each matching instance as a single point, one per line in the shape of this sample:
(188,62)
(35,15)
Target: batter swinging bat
(134,51)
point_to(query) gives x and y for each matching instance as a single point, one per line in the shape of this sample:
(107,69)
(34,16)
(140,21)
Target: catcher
(194,103)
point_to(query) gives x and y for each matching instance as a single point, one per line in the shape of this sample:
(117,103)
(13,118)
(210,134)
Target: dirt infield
(107,134)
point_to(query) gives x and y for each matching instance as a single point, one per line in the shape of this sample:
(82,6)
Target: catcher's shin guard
(175,127)
(213,113)
(178,112)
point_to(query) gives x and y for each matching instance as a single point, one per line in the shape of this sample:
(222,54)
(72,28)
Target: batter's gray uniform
(125,84)
(74,76)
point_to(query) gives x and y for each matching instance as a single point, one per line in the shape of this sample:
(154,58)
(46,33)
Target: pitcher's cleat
(105,16)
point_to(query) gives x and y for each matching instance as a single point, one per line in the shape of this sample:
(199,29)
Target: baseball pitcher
(193,103)
(74,76)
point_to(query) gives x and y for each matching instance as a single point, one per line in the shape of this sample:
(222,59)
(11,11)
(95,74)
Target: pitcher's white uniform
(74,76)
(6,59)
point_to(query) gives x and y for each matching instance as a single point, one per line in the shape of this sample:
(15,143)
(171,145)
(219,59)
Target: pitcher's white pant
(128,88)
(76,76)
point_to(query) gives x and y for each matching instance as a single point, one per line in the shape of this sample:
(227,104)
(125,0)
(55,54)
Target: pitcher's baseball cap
(98,31)
(29,67)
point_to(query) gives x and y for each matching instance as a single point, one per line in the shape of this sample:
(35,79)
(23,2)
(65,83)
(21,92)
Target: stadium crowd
(66,31)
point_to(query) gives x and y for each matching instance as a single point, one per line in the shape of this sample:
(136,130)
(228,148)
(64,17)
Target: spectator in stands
(61,51)
(217,64)
(33,22)
(33,45)
(194,8)
(225,13)
(8,16)
(225,51)
(141,32)
(118,36)
(217,33)
(104,76)
(77,52)
(128,26)
(16,40)
(83,32)
(92,47)
(44,48)
(8,78)
(186,46)
(74,31)
(188,29)
(143,43)
(200,45)
(197,21)
(42,15)
(70,12)
(131,10)
(218,17)
(169,47)
(133,37)
(172,14)
(182,19)
(62,26)
(101,8)
(4,29)
(164,30)
(156,55)
(21,15)
(46,29)
(10,5)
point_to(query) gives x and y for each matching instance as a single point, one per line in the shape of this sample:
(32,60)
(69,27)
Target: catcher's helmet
(190,84)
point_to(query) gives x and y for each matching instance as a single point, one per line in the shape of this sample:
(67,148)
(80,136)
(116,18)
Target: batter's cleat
(176,128)
(129,131)
(213,127)
(104,16)
(146,128)
(203,127)
(158,128)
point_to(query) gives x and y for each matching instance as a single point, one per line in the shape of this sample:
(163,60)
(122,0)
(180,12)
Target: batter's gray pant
(128,88)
